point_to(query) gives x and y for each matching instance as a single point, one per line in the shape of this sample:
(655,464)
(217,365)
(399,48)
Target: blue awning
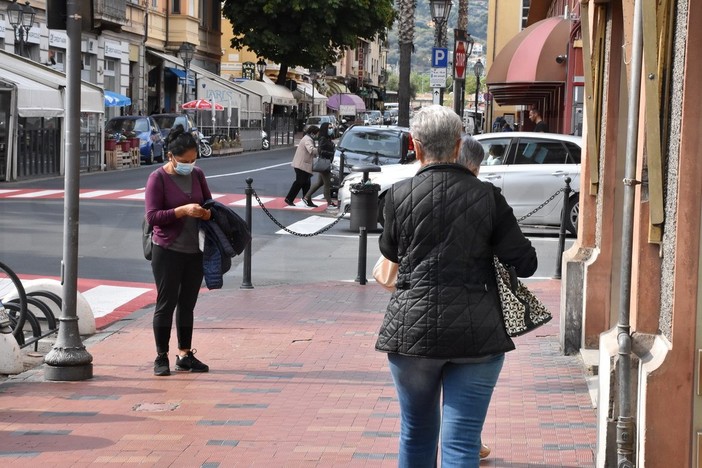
(113,99)
(181,75)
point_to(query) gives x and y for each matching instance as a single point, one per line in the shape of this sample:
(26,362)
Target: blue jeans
(467,389)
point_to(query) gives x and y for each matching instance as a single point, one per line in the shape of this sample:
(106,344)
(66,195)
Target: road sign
(459,60)
(437,78)
(436,96)
(439,57)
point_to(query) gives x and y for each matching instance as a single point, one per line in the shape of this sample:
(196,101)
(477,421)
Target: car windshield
(166,122)
(372,142)
(314,120)
(127,125)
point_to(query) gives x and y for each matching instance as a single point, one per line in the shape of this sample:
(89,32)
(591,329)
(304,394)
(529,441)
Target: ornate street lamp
(440,10)
(313,80)
(186,52)
(478,69)
(261,67)
(21,18)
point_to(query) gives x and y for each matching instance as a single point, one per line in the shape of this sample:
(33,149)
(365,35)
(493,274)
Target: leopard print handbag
(521,310)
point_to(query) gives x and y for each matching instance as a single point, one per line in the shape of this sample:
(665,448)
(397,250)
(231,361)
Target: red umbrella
(202,104)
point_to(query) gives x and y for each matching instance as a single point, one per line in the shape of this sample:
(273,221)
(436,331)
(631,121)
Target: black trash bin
(364,201)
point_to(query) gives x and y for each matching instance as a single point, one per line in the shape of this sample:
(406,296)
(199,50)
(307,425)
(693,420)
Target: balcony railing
(112,12)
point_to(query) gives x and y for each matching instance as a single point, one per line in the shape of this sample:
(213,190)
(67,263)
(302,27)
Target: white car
(529,168)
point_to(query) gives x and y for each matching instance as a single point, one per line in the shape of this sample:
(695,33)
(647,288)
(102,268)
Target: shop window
(59,59)
(87,71)
(111,75)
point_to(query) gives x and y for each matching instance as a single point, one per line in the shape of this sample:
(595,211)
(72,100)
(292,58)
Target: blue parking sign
(439,57)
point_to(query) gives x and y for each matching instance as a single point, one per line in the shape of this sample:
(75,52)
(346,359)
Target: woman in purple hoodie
(174,194)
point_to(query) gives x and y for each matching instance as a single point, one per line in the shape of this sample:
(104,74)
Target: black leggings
(303,180)
(178,278)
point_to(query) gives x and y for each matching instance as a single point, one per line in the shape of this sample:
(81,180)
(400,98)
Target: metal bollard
(362,254)
(562,233)
(342,161)
(246,280)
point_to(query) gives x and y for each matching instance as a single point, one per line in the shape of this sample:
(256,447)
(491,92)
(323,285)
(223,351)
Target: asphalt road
(31,238)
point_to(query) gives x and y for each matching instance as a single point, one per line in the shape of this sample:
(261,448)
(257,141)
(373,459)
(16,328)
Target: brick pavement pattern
(294,381)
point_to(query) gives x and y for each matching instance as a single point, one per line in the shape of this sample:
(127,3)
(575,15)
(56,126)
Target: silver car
(529,168)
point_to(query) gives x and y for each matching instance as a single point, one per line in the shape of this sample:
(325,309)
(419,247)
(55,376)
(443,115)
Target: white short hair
(436,128)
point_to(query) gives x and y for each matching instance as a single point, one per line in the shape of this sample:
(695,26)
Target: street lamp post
(261,66)
(186,53)
(21,18)
(313,80)
(440,10)
(478,69)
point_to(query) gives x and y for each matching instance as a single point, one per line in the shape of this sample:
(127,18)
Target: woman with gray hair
(443,329)
(471,154)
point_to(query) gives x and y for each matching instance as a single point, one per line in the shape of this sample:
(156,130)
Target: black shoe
(161,365)
(309,203)
(289,203)
(190,363)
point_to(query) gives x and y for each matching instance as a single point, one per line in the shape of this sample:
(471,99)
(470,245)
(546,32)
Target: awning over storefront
(212,86)
(526,71)
(34,99)
(181,75)
(42,86)
(230,95)
(271,92)
(305,92)
(346,100)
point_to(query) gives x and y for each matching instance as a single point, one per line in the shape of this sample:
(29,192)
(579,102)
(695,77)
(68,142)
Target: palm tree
(405,33)
(462,22)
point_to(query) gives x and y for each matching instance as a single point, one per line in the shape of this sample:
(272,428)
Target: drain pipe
(625,422)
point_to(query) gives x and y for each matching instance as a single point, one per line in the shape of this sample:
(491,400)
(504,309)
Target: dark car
(143,127)
(376,145)
(318,120)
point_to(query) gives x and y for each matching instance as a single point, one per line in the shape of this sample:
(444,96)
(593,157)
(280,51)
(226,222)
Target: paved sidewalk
(295,381)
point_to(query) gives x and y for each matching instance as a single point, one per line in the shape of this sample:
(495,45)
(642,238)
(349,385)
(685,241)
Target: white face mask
(183,168)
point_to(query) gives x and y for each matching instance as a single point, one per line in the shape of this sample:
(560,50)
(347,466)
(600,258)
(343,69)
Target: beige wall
(504,22)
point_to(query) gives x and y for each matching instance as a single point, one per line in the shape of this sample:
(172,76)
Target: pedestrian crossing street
(111,301)
(235,200)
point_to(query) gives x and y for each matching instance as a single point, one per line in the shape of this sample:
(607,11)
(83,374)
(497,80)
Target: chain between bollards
(246,280)
(362,254)
(562,233)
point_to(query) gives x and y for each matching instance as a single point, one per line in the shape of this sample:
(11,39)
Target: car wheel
(266,144)
(573,213)
(150,158)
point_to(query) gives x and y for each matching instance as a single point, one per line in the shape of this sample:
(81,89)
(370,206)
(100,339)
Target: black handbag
(521,310)
(147,230)
(321,164)
(146,242)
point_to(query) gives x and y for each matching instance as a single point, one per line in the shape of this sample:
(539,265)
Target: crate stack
(121,156)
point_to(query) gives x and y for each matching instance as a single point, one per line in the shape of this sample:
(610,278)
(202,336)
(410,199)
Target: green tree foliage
(307,33)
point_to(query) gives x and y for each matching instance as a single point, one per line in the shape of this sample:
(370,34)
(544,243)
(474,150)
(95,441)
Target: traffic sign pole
(439,63)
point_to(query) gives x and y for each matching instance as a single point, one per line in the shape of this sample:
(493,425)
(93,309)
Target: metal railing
(251,193)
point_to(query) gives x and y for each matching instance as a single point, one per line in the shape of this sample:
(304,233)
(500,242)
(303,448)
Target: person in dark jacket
(325,149)
(443,329)
(174,194)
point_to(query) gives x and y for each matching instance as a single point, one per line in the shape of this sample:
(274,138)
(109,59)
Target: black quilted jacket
(443,227)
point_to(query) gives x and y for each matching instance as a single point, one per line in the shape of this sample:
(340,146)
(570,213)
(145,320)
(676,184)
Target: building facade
(123,45)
